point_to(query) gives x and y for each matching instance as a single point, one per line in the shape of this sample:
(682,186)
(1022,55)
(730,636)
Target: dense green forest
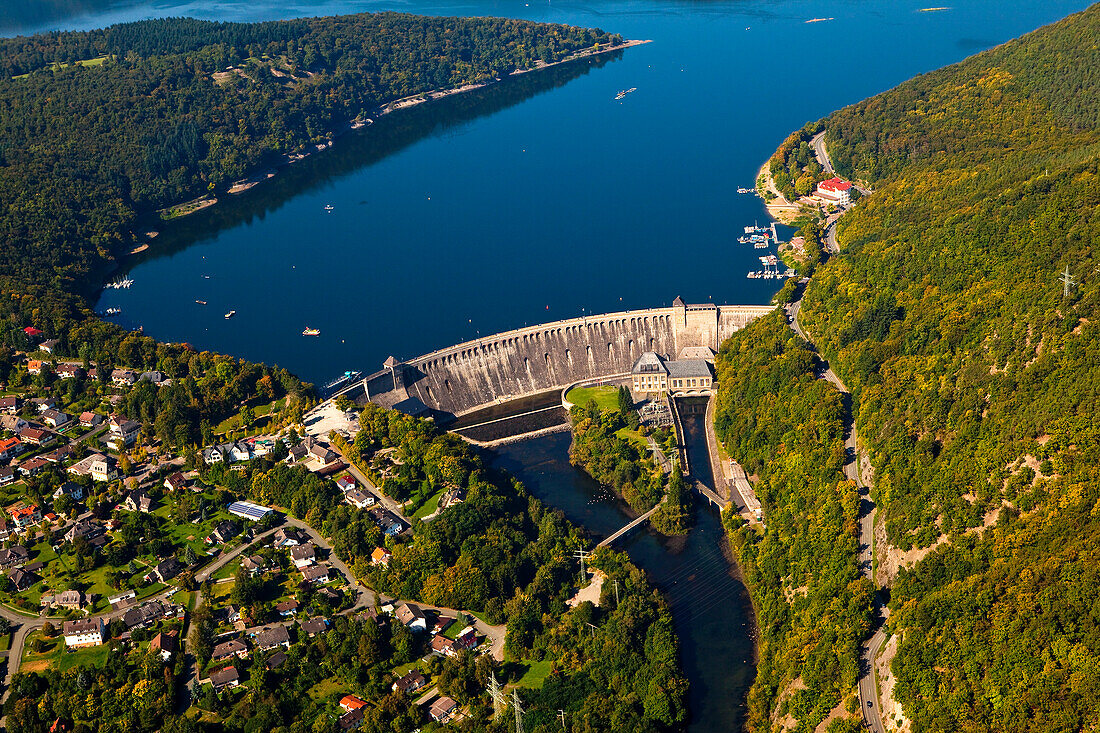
(974,375)
(174,108)
(813,606)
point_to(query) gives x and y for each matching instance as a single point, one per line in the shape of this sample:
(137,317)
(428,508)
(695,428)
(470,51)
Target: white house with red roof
(835,191)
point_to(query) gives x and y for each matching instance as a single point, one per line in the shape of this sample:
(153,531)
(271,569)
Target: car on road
(869,704)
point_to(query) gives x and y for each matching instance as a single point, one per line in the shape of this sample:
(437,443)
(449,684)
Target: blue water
(561,202)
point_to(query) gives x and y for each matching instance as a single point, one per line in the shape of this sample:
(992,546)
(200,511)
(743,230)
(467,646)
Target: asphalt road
(868,688)
(818,143)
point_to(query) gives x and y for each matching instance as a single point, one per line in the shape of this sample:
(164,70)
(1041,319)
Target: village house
(90,419)
(411,682)
(72,600)
(13,557)
(234,648)
(83,632)
(138,500)
(835,191)
(59,454)
(314,626)
(350,720)
(271,637)
(34,466)
(167,569)
(443,646)
(315,574)
(22,579)
(451,497)
(123,433)
(87,530)
(49,345)
(7,476)
(290,537)
(387,522)
(34,366)
(303,556)
(25,516)
(254,564)
(70,489)
(146,614)
(166,642)
(123,377)
(381,556)
(351,702)
(69,370)
(36,436)
(98,466)
(442,709)
(12,423)
(175,482)
(467,638)
(275,660)
(359,499)
(287,608)
(224,678)
(224,531)
(10,448)
(10,405)
(345,483)
(412,617)
(41,404)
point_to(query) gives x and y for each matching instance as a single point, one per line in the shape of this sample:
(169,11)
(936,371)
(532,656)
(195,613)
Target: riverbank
(359,122)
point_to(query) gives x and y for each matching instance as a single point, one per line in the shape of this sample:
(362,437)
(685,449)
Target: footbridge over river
(470,376)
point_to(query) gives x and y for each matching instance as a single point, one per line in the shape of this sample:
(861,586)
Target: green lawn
(536,674)
(606,397)
(429,506)
(5,642)
(634,437)
(325,689)
(91,656)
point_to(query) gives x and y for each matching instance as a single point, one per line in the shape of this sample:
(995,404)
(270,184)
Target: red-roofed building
(836,191)
(32,331)
(351,702)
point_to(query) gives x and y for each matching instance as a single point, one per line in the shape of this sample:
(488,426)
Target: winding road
(855,458)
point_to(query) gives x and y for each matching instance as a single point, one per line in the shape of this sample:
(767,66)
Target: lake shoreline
(264,172)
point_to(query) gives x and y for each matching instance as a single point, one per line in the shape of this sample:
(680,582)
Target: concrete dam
(507,366)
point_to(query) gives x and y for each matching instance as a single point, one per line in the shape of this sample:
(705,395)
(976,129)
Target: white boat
(113,311)
(329,207)
(230,314)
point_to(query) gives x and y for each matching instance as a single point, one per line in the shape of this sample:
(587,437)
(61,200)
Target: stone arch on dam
(468,376)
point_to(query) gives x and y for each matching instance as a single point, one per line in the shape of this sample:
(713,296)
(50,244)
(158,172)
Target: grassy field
(325,689)
(606,397)
(634,437)
(536,674)
(429,506)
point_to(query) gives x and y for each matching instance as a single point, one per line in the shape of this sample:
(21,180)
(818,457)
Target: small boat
(311,332)
(625,92)
(760,245)
(230,314)
(329,207)
(201,302)
(113,311)
(742,189)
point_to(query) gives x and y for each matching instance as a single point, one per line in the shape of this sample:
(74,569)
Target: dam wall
(509,365)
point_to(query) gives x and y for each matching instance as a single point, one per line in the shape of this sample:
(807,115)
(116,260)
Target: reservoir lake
(537,199)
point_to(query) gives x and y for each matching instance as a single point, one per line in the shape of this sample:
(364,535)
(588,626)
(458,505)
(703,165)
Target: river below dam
(710,605)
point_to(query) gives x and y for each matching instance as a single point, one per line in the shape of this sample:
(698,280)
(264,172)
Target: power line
(500,703)
(519,710)
(1067,282)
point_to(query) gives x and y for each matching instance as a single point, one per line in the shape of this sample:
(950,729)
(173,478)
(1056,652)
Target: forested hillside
(813,606)
(165,110)
(975,376)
